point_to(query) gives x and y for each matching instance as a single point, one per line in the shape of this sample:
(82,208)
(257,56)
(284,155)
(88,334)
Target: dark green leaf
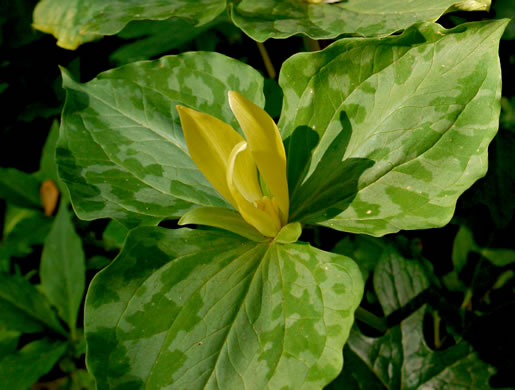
(155,38)
(463,244)
(365,250)
(8,342)
(402,126)
(401,359)
(23,228)
(265,19)
(19,188)
(114,235)
(23,307)
(121,151)
(21,369)
(63,268)
(187,309)
(398,280)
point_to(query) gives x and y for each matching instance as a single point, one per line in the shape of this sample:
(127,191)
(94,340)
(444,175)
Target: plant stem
(436,325)
(266,59)
(371,319)
(311,44)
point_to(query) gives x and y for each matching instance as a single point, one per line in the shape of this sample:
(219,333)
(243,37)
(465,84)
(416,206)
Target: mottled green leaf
(21,369)
(401,359)
(74,22)
(63,268)
(397,280)
(121,150)
(23,307)
(183,309)
(19,188)
(265,19)
(401,126)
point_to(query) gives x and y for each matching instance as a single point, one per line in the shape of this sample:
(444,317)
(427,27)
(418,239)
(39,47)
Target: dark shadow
(333,185)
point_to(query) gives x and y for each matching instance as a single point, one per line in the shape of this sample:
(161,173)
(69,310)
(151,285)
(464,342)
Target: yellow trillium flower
(231,163)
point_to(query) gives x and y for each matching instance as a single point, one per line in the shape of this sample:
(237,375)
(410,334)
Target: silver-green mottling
(265,19)
(121,149)
(407,119)
(183,309)
(74,22)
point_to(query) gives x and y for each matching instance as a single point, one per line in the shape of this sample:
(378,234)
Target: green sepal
(222,218)
(289,233)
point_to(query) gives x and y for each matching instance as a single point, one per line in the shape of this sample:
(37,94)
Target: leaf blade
(224,302)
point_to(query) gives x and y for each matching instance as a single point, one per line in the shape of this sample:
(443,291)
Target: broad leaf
(399,126)
(19,188)
(21,369)
(198,309)
(74,22)
(63,268)
(23,307)
(401,359)
(283,18)
(121,150)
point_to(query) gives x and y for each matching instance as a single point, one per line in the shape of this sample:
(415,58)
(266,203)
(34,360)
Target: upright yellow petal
(256,210)
(266,146)
(210,142)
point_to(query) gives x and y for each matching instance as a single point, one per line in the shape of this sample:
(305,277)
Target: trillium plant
(218,284)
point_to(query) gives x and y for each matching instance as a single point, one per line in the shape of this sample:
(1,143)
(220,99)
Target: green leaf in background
(63,268)
(121,150)
(365,250)
(399,126)
(152,38)
(23,307)
(21,369)
(114,235)
(265,19)
(496,190)
(74,22)
(401,359)
(462,246)
(192,309)
(23,228)
(19,188)
(506,9)
(8,342)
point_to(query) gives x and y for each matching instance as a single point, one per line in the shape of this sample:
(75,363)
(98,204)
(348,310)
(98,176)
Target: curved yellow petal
(257,210)
(210,142)
(266,146)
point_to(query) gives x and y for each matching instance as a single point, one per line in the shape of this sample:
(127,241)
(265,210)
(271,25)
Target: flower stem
(266,59)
